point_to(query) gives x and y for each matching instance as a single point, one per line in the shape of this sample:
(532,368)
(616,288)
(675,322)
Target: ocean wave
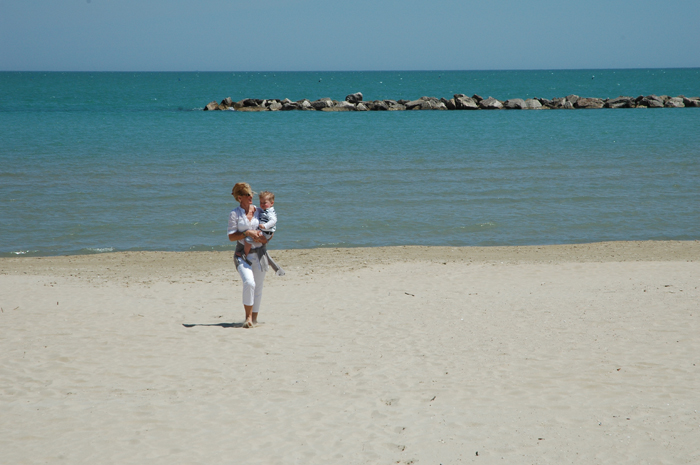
(23,252)
(98,249)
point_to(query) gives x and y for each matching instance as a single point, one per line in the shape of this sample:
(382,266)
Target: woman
(243,222)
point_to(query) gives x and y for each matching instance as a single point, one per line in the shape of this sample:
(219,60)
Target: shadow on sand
(222,325)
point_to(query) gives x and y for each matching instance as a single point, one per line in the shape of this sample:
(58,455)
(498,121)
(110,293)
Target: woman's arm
(237,236)
(233,233)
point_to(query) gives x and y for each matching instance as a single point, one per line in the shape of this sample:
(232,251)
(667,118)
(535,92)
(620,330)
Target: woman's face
(245,200)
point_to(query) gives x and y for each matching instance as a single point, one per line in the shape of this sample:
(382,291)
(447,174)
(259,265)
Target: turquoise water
(94,162)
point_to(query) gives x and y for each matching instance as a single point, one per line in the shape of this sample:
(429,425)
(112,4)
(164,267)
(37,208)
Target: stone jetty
(354,102)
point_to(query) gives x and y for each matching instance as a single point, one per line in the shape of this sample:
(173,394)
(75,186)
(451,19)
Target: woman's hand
(264,239)
(254,234)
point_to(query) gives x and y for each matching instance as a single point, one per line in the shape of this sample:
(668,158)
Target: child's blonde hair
(266,195)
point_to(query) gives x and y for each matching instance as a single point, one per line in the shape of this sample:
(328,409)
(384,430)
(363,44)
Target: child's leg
(246,250)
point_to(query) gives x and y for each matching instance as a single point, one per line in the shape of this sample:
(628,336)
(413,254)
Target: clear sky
(328,35)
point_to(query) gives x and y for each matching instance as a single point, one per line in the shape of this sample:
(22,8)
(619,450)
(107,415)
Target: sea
(128,161)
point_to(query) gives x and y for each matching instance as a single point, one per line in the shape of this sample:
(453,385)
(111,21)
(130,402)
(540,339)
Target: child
(268,219)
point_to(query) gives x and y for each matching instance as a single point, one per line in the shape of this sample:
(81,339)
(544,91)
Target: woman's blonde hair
(241,188)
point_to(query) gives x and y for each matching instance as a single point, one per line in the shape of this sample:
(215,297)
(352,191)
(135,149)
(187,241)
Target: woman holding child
(251,263)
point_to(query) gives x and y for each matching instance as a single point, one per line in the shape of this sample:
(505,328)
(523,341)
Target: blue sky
(318,35)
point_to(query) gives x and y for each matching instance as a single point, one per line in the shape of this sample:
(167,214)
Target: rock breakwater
(355,102)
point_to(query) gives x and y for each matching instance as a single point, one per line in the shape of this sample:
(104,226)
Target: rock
(289,106)
(465,103)
(285,101)
(305,105)
(674,102)
(572,98)
(247,102)
(652,101)
(620,102)
(211,106)
(477,98)
(514,104)
(533,104)
(450,104)
(402,102)
(345,104)
(586,103)
(354,98)
(322,103)
(567,105)
(393,105)
(274,106)
(490,104)
(414,105)
(378,105)
(691,102)
(251,109)
(361,107)
(227,102)
(433,100)
(340,106)
(426,103)
(558,102)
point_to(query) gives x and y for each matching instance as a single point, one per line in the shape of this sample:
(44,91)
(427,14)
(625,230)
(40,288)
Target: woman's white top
(238,222)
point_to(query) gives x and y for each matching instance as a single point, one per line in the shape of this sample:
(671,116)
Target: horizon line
(350,71)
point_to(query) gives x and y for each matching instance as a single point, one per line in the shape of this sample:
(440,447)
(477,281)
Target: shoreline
(115,264)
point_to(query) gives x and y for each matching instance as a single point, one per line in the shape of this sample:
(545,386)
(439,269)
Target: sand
(511,355)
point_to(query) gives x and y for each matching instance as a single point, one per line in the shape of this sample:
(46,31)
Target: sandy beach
(560,354)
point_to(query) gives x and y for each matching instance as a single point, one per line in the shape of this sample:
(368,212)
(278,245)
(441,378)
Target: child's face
(266,202)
